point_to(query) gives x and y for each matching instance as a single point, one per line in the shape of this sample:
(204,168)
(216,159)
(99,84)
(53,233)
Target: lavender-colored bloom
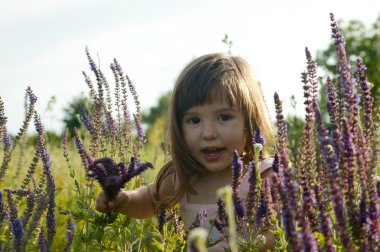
(111,124)
(2,209)
(289,224)
(41,204)
(281,125)
(221,221)
(276,164)
(161,219)
(312,74)
(15,223)
(50,225)
(373,213)
(18,234)
(3,118)
(326,225)
(69,234)
(31,95)
(90,86)
(331,162)
(86,158)
(132,88)
(50,184)
(112,177)
(95,70)
(41,244)
(252,195)
(258,136)
(7,141)
(237,171)
(309,242)
(29,207)
(348,152)
(86,119)
(200,219)
(140,131)
(265,208)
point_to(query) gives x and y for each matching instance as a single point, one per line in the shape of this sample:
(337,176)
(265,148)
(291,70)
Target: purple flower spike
(276,164)
(112,177)
(281,125)
(258,136)
(221,221)
(237,171)
(7,141)
(199,219)
(69,234)
(2,210)
(85,119)
(18,234)
(86,158)
(161,219)
(32,97)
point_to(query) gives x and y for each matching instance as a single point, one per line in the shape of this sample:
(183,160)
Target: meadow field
(327,199)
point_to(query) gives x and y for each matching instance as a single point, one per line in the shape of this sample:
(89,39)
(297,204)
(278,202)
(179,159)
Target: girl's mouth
(212,154)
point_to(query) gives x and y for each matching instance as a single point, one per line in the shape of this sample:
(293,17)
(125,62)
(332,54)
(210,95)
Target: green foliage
(158,111)
(295,125)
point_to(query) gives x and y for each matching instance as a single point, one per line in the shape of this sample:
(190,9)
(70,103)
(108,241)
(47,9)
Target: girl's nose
(209,132)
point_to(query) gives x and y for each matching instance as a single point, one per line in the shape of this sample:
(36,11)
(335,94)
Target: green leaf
(158,244)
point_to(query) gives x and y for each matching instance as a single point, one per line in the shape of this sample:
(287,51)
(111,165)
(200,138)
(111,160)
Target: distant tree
(160,110)
(360,42)
(71,112)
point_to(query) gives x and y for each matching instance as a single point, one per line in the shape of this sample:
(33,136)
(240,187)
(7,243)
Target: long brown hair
(201,82)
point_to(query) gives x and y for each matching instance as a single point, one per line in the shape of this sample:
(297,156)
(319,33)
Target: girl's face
(212,132)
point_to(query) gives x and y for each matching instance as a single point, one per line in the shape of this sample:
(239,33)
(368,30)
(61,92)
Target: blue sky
(43,44)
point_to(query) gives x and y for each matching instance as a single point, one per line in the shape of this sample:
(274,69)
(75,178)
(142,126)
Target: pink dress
(189,211)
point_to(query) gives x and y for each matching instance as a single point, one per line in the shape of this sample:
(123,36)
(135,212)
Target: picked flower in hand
(112,177)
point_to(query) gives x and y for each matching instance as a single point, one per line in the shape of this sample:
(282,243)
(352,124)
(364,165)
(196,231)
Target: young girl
(216,105)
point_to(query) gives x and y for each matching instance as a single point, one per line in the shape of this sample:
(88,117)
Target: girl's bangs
(222,90)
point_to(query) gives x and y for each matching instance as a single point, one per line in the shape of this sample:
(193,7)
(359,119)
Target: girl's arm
(136,203)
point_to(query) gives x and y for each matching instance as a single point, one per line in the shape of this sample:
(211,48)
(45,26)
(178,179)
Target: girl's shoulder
(265,164)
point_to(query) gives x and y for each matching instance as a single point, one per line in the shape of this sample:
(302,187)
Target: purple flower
(2,210)
(86,158)
(161,219)
(200,218)
(112,177)
(18,234)
(326,225)
(373,219)
(69,234)
(221,221)
(41,240)
(265,207)
(85,119)
(140,131)
(29,207)
(7,141)
(281,125)
(252,195)
(237,171)
(309,242)
(258,136)
(41,204)
(276,164)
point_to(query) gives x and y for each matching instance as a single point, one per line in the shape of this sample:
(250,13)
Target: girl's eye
(224,117)
(194,120)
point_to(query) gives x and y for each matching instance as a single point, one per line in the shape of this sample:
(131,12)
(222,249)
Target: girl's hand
(119,204)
